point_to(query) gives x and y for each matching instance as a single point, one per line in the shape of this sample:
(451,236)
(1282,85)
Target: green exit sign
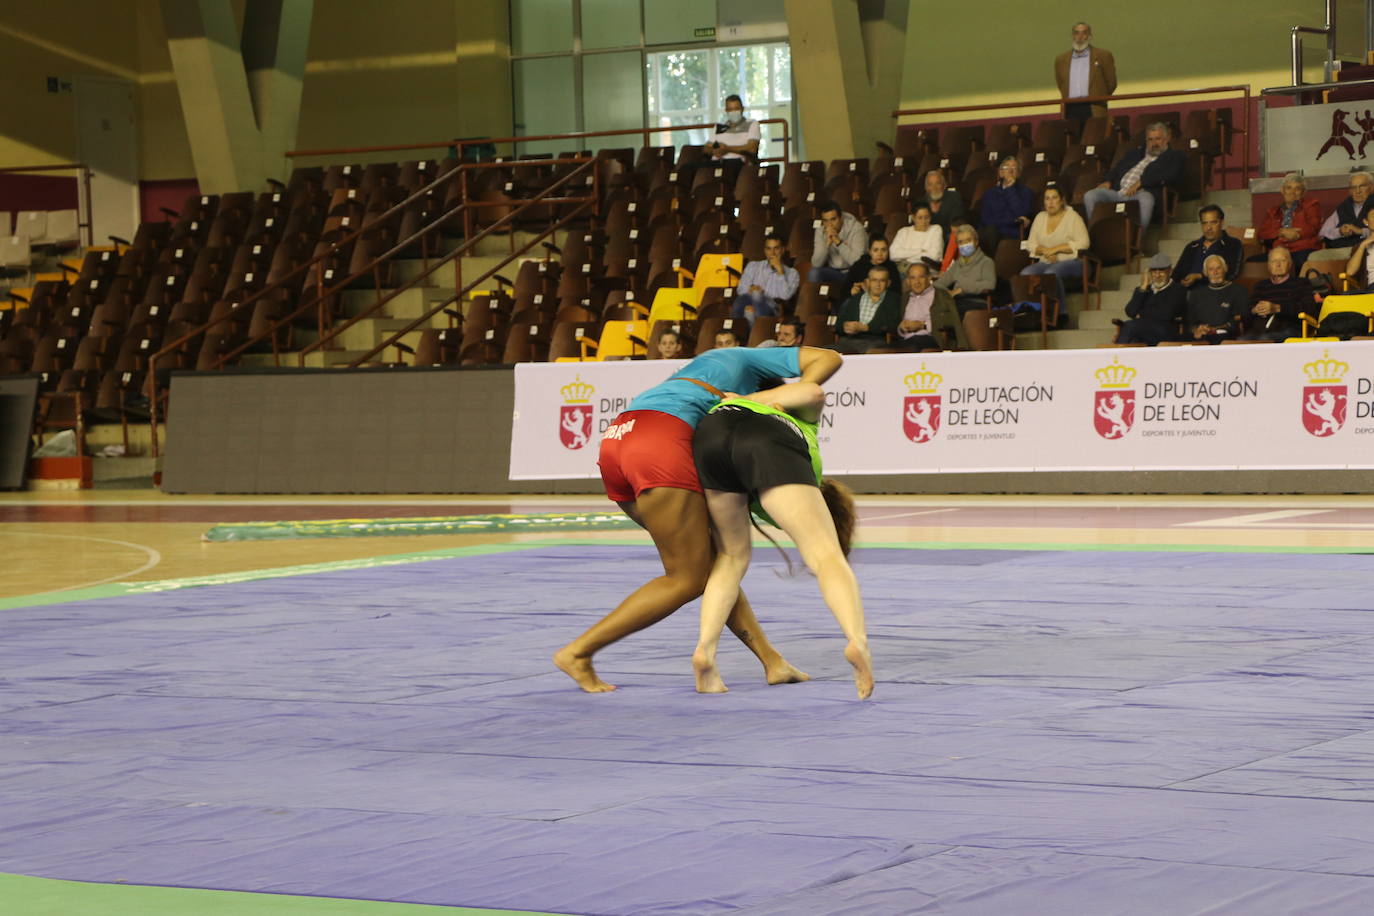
(704,33)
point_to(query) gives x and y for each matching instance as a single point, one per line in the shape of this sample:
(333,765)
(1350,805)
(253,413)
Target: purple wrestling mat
(1052,732)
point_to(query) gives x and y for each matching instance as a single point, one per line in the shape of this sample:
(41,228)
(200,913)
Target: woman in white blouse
(1056,237)
(922,239)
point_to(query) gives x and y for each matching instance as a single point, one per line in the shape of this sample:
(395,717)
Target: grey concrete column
(240,93)
(847,58)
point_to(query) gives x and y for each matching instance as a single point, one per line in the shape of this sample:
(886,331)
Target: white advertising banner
(1317,139)
(1168,408)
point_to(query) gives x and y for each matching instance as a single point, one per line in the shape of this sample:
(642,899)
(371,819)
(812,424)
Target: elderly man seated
(927,309)
(1141,174)
(1345,228)
(1277,301)
(1216,306)
(867,317)
(1156,308)
(1006,208)
(946,206)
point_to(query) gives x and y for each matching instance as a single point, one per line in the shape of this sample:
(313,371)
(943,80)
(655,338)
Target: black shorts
(740,451)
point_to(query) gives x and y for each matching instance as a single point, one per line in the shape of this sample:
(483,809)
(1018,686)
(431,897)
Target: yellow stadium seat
(715,270)
(1332,305)
(674,304)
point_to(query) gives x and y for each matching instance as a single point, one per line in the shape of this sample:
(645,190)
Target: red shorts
(642,449)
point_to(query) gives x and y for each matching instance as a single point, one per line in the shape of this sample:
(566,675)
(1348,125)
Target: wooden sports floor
(69,541)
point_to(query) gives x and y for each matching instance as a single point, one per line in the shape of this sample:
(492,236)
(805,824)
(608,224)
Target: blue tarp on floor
(1051,732)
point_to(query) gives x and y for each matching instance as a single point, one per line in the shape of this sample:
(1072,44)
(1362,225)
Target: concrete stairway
(357,340)
(1093,327)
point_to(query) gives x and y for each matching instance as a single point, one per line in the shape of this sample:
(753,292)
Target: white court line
(1256,519)
(154,558)
(883,518)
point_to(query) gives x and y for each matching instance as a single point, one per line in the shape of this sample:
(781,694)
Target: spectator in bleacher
(1083,72)
(972,275)
(1345,227)
(765,282)
(1215,307)
(1006,208)
(1056,237)
(868,316)
(789,333)
(946,206)
(876,257)
(927,308)
(839,242)
(1360,267)
(1214,241)
(1278,300)
(1293,223)
(1156,308)
(670,345)
(922,241)
(1141,174)
(726,338)
(736,140)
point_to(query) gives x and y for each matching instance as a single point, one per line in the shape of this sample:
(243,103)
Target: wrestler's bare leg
(679,525)
(730,518)
(800,510)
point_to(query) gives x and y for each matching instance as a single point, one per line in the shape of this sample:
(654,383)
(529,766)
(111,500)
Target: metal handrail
(468,244)
(281,283)
(1315,87)
(1329,30)
(460,145)
(83,184)
(1121,97)
(458,295)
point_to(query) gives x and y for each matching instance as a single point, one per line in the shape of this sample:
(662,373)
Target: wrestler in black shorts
(739,450)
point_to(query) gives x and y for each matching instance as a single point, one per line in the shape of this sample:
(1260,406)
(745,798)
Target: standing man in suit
(1083,72)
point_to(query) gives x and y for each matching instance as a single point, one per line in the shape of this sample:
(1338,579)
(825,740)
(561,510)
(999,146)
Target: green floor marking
(25,896)
(457,524)
(123,589)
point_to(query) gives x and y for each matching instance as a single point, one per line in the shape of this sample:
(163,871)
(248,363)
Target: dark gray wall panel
(448,431)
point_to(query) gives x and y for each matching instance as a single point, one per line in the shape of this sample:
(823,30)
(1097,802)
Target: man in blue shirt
(764,283)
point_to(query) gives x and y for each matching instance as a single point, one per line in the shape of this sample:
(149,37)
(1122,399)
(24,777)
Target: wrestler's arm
(804,399)
(817,364)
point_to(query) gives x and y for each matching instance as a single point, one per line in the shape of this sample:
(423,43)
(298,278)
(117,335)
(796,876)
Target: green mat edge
(125,589)
(25,895)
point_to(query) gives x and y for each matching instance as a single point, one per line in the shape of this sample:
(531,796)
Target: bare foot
(862,663)
(784,673)
(708,677)
(580,670)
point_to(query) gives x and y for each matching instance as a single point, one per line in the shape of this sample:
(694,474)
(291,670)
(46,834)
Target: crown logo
(577,392)
(923,381)
(1115,375)
(1326,371)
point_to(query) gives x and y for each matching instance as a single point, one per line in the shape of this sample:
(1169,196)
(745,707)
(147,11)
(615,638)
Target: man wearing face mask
(1156,307)
(736,140)
(972,275)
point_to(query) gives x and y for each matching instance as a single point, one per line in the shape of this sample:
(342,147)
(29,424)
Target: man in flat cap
(1157,307)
